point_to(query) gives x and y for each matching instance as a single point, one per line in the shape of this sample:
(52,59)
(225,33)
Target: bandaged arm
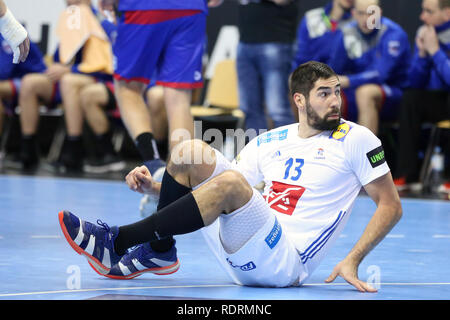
(14,33)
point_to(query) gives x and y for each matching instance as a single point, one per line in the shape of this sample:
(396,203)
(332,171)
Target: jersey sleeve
(442,64)
(247,163)
(366,155)
(419,71)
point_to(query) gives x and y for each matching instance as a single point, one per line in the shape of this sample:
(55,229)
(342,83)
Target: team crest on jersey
(283,197)
(341,132)
(272,136)
(320,154)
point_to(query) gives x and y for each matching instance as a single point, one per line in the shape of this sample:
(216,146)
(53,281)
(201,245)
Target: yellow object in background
(78,29)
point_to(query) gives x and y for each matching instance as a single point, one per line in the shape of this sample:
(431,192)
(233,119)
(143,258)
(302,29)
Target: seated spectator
(11,75)
(317,29)
(372,57)
(427,99)
(79,61)
(97,100)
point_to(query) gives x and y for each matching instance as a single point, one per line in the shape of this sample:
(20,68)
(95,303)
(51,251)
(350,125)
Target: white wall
(35,13)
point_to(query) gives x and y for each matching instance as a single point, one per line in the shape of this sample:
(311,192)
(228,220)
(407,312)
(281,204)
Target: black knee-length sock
(171,191)
(140,232)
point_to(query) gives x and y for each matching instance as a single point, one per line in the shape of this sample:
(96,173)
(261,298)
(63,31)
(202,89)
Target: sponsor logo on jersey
(376,157)
(272,136)
(341,132)
(320,154)
(274,235)
(283,197)
(246,267)
(276,154)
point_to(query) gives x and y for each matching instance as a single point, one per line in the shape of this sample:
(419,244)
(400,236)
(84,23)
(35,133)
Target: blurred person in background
(427,98)
(11,75)
(264,57)
(317,29)
(83,57)
(371,55)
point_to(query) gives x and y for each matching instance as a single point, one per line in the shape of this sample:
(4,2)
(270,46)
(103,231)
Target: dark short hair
(444,4)
(303,79)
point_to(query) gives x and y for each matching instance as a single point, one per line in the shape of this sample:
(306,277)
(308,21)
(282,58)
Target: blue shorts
(389,107)
(168,42)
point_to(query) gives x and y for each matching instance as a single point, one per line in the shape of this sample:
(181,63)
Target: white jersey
(311,184)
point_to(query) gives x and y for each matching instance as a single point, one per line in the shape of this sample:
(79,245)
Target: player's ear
(299,100)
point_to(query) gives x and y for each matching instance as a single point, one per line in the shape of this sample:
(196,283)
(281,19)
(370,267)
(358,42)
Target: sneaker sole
(158,271)
(93,262)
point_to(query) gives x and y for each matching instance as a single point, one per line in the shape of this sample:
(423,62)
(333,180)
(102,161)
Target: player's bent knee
(30,84)
(67,82)
(89,96)
(190,153)
(191,161)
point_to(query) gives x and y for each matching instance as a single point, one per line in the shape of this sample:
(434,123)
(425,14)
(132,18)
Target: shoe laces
(139,252)
(92,228)
(103,225)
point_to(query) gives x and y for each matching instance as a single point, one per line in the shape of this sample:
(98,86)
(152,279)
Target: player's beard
(319,123)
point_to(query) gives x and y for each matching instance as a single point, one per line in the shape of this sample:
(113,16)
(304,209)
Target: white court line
(114,289)
(212,286)
(441,236)
(395,236)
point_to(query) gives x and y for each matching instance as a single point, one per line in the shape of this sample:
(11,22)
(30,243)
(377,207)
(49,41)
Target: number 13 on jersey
(295,165)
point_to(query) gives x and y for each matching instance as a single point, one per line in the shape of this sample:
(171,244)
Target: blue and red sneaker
(144,259)
(94,242)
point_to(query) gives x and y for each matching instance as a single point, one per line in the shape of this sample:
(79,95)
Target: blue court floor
(36,262)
